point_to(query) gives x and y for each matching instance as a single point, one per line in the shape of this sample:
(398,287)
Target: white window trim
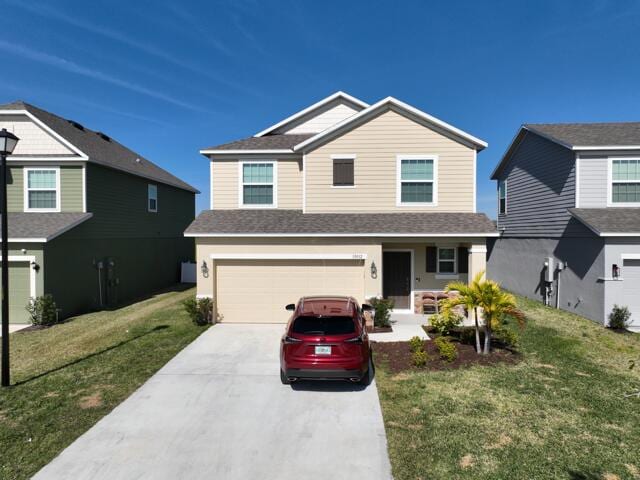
(149,209)
(447,275)
(344,156)
(610,202)
(428,156)
(505,197)
(25,173)
(274,183)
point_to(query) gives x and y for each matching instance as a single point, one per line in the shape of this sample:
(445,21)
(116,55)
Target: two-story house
(569,217)
(341,198)
(90,222)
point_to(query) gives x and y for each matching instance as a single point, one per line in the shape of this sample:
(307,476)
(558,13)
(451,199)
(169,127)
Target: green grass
(560,413)
(69,376)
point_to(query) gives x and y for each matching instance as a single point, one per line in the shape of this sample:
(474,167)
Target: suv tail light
(290,340)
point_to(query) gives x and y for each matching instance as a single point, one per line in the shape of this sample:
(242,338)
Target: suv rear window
(309,325)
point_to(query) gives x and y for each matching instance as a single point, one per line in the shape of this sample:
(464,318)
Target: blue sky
(167,78)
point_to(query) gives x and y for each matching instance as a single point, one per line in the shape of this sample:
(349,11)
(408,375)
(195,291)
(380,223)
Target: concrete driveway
(219,411)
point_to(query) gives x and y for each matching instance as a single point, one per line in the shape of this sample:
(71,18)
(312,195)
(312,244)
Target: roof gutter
(366,235)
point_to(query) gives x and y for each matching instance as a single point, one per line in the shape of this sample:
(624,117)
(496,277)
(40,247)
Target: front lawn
(69,376)
(558,413)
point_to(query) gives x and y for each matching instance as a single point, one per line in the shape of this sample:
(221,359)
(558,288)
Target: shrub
(419,358)
(43,310)
(468,336)
(444,323)
(200,310)
(382,308)
(506,336)
(447,349)
(619,317)
(416,344)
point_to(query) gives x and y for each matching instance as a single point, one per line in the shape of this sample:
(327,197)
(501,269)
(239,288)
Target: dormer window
(42,189)
(258,182)
(625,182)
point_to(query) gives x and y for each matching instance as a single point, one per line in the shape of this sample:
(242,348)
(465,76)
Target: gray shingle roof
(590,134)
(105,151)
(43,225)
(609,220)
(268,142)
(279,221)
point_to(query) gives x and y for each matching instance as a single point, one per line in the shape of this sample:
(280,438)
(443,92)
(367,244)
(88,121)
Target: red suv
(326,339)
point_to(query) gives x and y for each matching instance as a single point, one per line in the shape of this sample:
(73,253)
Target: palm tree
(468,297)
(496,305)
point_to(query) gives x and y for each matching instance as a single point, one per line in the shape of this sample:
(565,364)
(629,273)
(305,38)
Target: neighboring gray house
(569,217)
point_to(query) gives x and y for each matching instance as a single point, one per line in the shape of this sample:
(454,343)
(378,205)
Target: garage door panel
(19,291)
(258,290)
(631,287)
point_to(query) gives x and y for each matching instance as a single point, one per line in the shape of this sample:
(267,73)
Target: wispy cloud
(48,12)
(72,67)
(194,23)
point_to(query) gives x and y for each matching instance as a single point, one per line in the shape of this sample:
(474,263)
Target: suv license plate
(323,350)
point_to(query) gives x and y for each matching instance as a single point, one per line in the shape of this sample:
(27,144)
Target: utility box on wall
(548,273)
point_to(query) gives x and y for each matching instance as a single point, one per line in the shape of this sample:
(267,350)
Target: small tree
(468,297)
(382,308)
(200,310)
(619,317)
(496,305)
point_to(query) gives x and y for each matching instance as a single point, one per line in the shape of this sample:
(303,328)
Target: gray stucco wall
(620,292)
(518,263)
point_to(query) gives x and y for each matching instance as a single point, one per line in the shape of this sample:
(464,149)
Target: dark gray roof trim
(101,148)
(268,142)
(610,222)
(42,227)
(278,222)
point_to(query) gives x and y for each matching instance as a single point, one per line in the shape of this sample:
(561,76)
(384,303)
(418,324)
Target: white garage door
(631,285)
(256,291)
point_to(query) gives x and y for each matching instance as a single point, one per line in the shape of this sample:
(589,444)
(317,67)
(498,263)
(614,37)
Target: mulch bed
(382,330)
(397,356)
(32,328)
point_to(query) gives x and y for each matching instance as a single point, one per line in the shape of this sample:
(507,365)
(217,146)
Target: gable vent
(104,136)
(77,125)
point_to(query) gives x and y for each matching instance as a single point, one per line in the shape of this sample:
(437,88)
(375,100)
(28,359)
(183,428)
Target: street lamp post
(8,142)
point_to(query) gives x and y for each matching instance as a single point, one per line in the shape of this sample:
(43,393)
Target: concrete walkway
(405,326)
(219,411)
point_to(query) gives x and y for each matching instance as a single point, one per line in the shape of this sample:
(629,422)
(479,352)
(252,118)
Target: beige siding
(376,145)
(321,119)
(225,183)
(33,139)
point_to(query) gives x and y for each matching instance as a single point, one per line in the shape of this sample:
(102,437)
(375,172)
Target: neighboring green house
(90,221)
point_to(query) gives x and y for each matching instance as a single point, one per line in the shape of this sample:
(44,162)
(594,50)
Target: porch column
(477,259)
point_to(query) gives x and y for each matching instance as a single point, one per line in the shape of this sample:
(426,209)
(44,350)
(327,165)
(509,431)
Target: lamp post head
(8,142)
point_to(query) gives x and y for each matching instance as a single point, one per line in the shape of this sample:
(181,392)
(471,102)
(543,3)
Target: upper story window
(447,260)
(152,198)
(417,180)
(343,170)
(502,197)
(258,182)
(42,189)
(625,182)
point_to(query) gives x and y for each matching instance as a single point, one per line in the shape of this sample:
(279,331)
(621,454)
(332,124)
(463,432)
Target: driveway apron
(218,411)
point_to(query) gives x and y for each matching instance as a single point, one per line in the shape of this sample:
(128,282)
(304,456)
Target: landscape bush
(619,317)
(200,310)
(447,349)
(43,310)
(506,336)
(419,358)
(416,344)
(445,322)
(382,308)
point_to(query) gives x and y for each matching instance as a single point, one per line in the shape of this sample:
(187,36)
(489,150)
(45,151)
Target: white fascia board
(311,108)
(606,147)
(67,160)
(288,256)
(45,127)
(248,152)
(346,235)
(401,105)
(26,240)
(630,256)
(619,234)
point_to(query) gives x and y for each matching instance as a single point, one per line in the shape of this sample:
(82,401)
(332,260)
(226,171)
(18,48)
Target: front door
(396,278)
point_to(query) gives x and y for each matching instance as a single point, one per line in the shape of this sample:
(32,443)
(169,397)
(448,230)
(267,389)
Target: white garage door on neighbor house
(256,291)
(631,288)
